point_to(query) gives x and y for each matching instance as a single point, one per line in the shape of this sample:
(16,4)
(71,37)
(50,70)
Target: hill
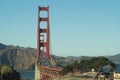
(115,58)
(24,58)
(18,57)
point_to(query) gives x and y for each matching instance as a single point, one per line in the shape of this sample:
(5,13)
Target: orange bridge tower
(45,67)
(43,34)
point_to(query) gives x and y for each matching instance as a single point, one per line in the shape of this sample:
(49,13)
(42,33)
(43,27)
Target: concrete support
(37,72)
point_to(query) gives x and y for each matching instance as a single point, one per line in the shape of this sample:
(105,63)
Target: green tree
(96,63)
(6,70)
(67,69)
(8,73)
(75,65)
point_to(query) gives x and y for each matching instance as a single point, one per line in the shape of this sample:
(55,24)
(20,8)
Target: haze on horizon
(81,27)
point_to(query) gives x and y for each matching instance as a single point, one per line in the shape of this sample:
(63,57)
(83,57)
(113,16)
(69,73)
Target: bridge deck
(48,73)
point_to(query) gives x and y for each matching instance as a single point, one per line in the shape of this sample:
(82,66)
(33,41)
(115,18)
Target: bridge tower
(43,34)
(45,67)
(43,40)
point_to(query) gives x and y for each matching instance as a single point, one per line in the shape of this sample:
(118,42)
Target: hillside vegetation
(8,73)
(96,63)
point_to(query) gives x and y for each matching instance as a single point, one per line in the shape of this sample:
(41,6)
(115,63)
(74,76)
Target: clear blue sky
(78,27)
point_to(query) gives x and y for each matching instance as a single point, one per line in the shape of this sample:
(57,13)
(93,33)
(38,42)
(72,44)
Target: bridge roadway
(49,72)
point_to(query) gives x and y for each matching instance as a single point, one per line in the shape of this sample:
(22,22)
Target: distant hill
(115,58)
(18,57)
(24,58)
(3,46)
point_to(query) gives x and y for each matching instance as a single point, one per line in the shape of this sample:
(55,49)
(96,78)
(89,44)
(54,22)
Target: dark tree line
(8,73)
(96,63)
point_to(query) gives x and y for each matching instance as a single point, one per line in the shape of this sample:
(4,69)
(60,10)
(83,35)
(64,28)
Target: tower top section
(43,8)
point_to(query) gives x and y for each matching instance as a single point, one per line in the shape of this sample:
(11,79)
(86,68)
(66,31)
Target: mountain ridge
(22,58)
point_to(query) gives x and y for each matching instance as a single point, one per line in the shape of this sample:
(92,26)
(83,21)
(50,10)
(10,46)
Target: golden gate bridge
(45,67)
